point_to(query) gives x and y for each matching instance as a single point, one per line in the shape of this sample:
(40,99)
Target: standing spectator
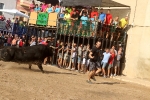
(93,61)
(14,42)
(24,40)
(110,62)
(117,66)
(123,22)
(79,57)
(9,40)
(37,8)
(68,9)
(84,20)
(83,11)
(20,43)
(57,9)
(108,18)
(44,7)
(94,14)
(32,6)
(50,9)
(60,52)
(73,10)
(5,40)
(67,18)
(105,61)
(102,19)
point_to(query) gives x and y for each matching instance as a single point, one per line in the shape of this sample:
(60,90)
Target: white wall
(9,4)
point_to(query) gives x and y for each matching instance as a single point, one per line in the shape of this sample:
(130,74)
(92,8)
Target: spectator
(57,9)
(73,10)
(110,62)
(9,40)
(108,18)
(14,42)
(79,57)
(68,9)
(32,43)
(24,40)
(44,7)
(83,11)
(123,22)
(50,9)
(20,43)
(32,6)
(5,40)
(94,14)
(67,18)
(117,66)
(60,52)
(84,20)
(105,61)
(37,8)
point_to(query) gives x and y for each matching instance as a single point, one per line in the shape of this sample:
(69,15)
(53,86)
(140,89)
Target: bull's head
(6,54)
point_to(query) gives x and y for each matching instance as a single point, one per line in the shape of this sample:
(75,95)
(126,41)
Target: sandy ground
(17,82)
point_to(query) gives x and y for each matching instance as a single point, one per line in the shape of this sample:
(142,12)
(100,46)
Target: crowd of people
(84,21)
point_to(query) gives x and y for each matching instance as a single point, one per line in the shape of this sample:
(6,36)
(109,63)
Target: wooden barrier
(52,20)
(33,18)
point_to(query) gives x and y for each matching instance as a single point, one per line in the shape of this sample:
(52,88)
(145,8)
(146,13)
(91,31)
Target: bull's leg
(30,66)
(40,67)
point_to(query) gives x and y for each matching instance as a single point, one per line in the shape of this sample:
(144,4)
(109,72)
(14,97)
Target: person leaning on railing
(67,20)
(37,8)
(50,9)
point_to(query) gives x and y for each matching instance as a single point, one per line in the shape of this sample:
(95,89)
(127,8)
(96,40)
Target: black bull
(27,55)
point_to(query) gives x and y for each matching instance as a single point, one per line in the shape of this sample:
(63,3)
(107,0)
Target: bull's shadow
(45,71)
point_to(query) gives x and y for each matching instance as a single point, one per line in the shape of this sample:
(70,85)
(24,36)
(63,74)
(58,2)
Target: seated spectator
(32,6)
(44,7)
(37,8)
(57,9)
(50,9)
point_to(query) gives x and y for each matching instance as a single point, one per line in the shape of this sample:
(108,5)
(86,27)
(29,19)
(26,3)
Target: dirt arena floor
(17,82)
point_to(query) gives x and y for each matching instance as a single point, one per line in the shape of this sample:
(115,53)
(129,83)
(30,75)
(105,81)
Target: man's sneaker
(89,81)
(73,69)
(111,75)
(108,76)
(93,78)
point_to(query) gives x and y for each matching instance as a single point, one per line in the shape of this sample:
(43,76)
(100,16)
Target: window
(1,7)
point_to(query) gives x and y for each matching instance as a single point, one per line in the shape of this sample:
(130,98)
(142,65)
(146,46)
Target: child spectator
(105,61)
(110,63)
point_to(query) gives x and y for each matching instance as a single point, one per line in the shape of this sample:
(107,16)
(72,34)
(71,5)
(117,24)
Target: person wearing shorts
(110,63)
(105,61)
(79,57)
(117,66)
(60,54)
(93,55)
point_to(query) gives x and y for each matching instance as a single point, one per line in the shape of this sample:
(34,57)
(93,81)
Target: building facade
(137,63)
(7,4)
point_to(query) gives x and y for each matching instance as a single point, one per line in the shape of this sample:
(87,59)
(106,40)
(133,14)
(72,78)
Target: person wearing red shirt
(110,62)
(73,10)
(108,18)
(94,13)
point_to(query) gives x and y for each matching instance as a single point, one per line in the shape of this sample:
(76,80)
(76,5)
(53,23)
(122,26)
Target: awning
(96,3)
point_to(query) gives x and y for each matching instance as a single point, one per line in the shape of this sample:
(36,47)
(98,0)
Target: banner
(42,19)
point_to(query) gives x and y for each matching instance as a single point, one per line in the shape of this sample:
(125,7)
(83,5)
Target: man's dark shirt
(95,53)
